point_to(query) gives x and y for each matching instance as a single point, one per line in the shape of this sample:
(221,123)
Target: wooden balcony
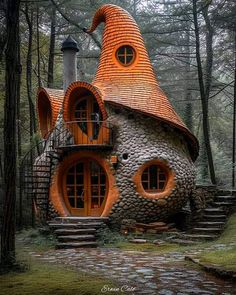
(84,135)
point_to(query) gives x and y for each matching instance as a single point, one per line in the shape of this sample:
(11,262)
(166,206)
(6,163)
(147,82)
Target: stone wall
(201,197)
(139,139)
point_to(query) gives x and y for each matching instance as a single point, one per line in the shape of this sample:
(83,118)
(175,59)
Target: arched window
(88,116)
(154,179)
(125,55)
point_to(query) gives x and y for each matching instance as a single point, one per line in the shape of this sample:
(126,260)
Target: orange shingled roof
(135,86)
(54,98)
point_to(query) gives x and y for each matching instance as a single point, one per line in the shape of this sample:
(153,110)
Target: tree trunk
(188,108)
(19,150)
(38,50)
(13,69)
(52,48)
(29,20)
(234,119)
(204,100)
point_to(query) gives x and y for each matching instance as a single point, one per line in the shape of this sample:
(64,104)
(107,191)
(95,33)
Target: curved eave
(55,98)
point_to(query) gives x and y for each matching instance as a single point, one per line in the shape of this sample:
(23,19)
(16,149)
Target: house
(117,146)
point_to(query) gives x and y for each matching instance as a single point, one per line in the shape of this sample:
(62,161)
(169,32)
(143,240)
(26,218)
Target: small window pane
(72,202)
(80,203)
(102,190)
(80,168)
(103,179)
(79,191)
(129,50)
(129,59)
(154,179)
(70,191)
(70,179)
(121,50)
(162,176)
(79,179)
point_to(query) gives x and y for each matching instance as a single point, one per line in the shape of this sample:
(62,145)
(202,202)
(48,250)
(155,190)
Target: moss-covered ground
(225,258)
(34,277)
(43,278)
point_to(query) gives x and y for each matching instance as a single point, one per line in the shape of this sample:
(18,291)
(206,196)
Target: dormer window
(125,55)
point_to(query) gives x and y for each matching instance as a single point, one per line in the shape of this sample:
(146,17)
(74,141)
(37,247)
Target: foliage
(108,237)
(37,239)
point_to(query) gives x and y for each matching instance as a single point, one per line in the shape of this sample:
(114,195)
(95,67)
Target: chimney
(69,48)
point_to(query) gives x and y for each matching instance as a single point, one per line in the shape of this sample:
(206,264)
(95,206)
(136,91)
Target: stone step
(226,192)
(224,204)
(206,230)
(80,219)
(211,224)
(65,232)
(75,238)
(200,237)
(214,211)
(76,245)
(210,217)
(225,198)
(75,225)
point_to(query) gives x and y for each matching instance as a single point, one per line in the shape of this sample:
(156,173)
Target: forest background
(191,45)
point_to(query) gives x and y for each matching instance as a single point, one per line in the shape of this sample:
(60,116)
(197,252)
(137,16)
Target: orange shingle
(51,98)
(134,87)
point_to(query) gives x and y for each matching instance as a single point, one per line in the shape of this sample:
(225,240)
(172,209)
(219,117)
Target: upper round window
(154,179)
(125,55)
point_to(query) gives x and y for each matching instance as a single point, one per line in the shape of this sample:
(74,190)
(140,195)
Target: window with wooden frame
(125,55)
(154,179)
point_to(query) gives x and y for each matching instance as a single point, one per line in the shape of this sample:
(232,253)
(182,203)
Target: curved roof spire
(134,86)
(120,29)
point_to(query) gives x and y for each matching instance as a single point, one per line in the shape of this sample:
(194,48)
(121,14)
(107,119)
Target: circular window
(154,179)
(125,55)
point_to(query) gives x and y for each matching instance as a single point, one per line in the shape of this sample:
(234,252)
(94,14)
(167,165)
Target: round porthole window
(125,55)
(154,179)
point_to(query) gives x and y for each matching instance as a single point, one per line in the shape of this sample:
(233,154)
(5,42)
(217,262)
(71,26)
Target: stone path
(143,272)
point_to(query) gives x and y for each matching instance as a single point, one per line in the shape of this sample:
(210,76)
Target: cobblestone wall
(140,139)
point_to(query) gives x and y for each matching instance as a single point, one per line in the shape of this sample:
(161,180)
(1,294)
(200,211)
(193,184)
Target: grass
(223,258)
(149,247)
(43,278)
(35,277)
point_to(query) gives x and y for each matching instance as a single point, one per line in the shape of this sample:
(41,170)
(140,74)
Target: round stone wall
(139,139)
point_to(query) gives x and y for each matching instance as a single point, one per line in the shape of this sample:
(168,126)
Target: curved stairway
(213,220)
(77,232)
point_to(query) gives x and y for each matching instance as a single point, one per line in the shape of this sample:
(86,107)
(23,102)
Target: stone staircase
(213,220)
(77,232)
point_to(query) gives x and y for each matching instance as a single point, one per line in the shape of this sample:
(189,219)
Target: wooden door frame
(87,210)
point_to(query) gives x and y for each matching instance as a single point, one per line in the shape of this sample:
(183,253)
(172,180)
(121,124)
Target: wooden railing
(83,133)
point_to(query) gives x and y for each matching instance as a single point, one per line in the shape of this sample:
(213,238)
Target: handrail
(72,133)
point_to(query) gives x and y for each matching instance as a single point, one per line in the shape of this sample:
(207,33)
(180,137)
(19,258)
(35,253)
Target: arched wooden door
(85,188)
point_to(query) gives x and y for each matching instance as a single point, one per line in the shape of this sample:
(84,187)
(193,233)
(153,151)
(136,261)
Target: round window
(125,55)
(154,179)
